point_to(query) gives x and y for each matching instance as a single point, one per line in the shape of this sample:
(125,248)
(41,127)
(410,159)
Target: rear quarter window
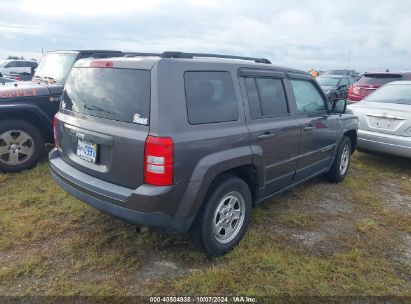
(210,97)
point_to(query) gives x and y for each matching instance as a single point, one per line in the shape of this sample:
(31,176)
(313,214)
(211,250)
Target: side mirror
(339,106)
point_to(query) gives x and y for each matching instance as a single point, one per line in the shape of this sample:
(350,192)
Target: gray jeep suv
(184,142)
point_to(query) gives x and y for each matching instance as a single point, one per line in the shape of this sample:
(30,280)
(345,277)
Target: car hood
(23,89)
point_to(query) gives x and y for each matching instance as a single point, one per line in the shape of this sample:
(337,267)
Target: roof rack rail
(98,55)
(192,55)
(136,54)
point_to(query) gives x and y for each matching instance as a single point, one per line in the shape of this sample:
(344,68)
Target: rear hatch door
(372,81)
(104,122)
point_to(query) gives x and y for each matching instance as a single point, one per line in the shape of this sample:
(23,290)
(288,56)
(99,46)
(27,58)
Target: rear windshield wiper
(49,79)
(36,77)
(94,108)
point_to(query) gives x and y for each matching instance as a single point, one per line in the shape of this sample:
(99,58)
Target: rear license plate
(384,123)
(87,151)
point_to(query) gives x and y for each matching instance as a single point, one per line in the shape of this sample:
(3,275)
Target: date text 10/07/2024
(203,299)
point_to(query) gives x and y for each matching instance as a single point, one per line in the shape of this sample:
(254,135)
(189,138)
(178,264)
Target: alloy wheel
(228,217)
(16,147)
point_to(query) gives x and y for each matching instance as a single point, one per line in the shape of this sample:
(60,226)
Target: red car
(369,82)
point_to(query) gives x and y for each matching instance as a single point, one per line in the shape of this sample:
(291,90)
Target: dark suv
(335,86)
(184,142)
(27,108)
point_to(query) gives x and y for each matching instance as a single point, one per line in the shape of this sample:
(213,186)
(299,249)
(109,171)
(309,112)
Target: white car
(384,119)
(11,66)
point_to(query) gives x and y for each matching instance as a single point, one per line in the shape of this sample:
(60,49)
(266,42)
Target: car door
(318,126)
(274,129)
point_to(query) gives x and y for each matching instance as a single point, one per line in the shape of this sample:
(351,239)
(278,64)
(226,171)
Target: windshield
(378,79)
(327,81)
(116,94)
(3,63)
(56,66)
(395,93)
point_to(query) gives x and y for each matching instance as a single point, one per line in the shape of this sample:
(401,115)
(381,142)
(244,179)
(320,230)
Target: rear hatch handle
(90,136)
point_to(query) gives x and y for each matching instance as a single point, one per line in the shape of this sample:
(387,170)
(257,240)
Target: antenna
(348,61)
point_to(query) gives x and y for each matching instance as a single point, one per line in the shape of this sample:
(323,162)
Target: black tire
(336,173)
(35,143)
(202,232)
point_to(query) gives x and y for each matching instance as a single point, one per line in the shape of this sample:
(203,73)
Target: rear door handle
(266,135)
(309,129)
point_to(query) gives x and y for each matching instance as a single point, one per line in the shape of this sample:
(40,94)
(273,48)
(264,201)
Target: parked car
(350,73)
(19,76)
(335,86)
(385,119)
(27,108)
(9,66)
(183,142)
(370,82)
(3,80)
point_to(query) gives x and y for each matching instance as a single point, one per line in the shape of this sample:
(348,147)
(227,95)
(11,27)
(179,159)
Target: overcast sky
(365,34)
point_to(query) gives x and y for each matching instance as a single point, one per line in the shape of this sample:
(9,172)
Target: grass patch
(257,267)
(32,267)
(297,219)
(52,244)
(366,225)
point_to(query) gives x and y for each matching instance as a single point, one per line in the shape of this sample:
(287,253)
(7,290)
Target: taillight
(101,64)
(350,89)
(159,161)
(54,129)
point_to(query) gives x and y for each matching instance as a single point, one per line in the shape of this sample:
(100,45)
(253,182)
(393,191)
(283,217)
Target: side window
(11,64)
(266,97)
(210,97)
(307,97)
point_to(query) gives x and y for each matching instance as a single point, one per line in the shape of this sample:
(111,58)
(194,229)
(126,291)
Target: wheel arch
(31,115)
(352,135)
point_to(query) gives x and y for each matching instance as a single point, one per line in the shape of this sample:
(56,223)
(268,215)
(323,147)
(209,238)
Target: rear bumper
(126,204)
(384,143)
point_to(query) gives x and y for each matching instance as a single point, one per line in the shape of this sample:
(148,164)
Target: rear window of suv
(210,97)
(116,94)
(379,79)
